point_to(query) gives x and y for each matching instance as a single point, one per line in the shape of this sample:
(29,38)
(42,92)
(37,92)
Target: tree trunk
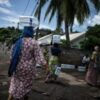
(71,28)
(67,35)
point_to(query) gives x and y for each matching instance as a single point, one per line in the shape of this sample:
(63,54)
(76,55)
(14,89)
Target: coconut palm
(66,11)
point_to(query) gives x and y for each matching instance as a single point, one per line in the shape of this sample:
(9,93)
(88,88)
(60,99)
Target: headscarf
(16,52)
(96,48)
(28,31)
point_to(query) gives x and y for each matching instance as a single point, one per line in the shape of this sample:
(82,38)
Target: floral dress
(21,81)
(93,69)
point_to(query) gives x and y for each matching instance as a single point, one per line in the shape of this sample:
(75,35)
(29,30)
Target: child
(54,66)
(85,61)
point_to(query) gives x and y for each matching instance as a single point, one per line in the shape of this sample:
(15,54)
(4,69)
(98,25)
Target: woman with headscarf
(94,67)
(25,54)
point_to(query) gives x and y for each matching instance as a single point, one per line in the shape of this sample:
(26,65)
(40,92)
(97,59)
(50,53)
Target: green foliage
(94,31)
(9,35)
(92,38)
(58,31)
(64,43)
(4,34)
(44,32)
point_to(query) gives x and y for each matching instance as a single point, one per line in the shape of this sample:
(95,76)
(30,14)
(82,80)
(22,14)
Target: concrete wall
(72,56)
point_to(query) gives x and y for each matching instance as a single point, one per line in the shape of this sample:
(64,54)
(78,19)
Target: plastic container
(67,66)
(56,39)
(81,68)
(28,21)
(57,71)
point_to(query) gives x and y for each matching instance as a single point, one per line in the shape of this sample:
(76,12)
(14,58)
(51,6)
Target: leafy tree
(9,35)
(58,31)
(4,34)
(94,31)
(92,38)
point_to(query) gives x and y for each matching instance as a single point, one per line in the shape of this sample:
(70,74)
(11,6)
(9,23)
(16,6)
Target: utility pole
(30,22)
(18,25)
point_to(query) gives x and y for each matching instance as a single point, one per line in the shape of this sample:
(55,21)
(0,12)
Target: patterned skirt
(21,82)
(92,74)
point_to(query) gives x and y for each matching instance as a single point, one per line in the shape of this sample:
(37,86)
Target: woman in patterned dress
(26,52)
(94,67)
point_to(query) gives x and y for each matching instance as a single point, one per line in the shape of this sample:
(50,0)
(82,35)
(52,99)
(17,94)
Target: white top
(85,59)
(56,39)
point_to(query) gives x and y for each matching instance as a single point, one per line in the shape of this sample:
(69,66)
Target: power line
(26,6)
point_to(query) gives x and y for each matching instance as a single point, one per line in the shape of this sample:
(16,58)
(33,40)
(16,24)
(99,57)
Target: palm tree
(40,4)
(66,11)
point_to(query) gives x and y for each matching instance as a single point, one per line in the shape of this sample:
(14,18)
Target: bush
(92,38)
(64,43)
(90,42)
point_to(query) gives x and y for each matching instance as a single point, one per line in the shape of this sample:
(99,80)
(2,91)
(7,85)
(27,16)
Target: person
(94,67)
(85,61)
(54,63)
(25,54)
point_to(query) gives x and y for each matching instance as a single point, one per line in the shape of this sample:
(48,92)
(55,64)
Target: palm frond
(59,19)
(52,14)
(39,8)
(68,11)
(50,7)
(82,10)
(96,4)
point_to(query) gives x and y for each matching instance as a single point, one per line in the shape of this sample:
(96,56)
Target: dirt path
(70,86)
